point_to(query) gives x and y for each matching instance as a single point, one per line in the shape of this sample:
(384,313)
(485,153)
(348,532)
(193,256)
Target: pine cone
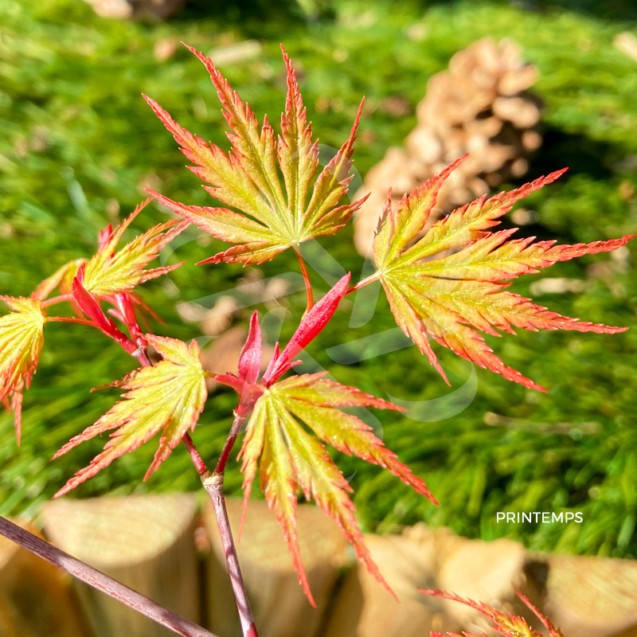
(481,106)
(149,9)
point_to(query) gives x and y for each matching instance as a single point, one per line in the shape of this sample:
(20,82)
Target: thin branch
(214,486)
(227,447)
(101,582)
(213,483)
(197,460)
(306,279)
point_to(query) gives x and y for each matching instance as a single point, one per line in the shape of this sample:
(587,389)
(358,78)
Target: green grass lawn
(78,143)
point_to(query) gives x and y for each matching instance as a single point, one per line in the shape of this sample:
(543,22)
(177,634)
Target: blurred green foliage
(78,144)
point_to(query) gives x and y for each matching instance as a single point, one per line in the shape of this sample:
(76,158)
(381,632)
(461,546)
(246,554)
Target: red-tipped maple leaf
(168,397)
(247,178)
(508,625)
(61,278)
(451,282)
(21,338)
(112,275)
(90,306)
(110,272)
(282,413)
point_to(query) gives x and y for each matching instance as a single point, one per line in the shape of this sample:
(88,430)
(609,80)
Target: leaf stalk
(57,299)
(366,281)
(306,279)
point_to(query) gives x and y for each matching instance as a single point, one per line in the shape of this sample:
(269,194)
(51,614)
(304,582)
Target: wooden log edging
(144,542)
(35,596)
(99,580)
(586,596)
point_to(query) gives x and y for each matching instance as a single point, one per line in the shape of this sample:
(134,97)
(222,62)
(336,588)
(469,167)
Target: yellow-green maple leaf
(450,284)
(21,339)
(167,397)
(285,430)
(110,272)
(289,420)
(247,178)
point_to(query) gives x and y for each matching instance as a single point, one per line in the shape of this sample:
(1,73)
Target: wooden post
(485,571)
(145,542)
(364,608)
(279,606)
(35,597)
(587,596)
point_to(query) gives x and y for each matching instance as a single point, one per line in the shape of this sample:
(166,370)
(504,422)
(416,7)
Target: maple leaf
(278,442)
(168,397)
(61,278)
(90,306)
(110,272)
(508,625)
(247,178)
(452,281)
(21,339)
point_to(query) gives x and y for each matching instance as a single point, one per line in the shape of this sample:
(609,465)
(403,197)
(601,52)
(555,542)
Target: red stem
(69,319)
(364,282)
(227,447)
(101,582)
(57,299)
(197,460)
(306,279)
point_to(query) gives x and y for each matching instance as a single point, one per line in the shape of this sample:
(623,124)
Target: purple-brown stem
(213,483)
(101,582)
(214,486)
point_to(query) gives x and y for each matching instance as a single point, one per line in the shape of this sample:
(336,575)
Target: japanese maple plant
(448,284)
